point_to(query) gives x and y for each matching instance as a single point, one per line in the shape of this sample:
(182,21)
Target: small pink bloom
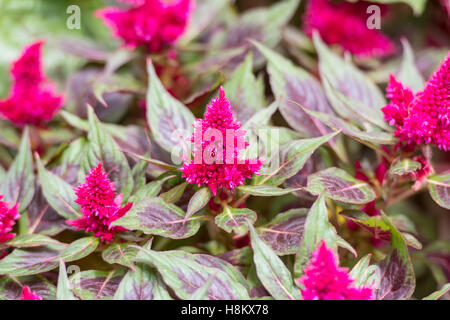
(424,117)
(32,97)
(149,23)
(27,294)
(421,174)
(8,217)
(99,205)
(325,280)
(346,24)
(225,169)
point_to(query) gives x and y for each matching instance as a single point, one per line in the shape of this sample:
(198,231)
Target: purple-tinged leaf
(235,220)
(436,295)
(284,233)
(185,273)
(11,289)
(142,284)
(155,216)
(120,253)
(338,185)
(96,285)
(31,240)
(439,188)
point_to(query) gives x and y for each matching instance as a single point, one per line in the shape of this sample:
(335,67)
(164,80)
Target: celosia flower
(424,117)
(346,24)
(325,280)
(216,159)
(8,217)
(32,98)
(27,294)
(149,23)
(421,174)
(99,205)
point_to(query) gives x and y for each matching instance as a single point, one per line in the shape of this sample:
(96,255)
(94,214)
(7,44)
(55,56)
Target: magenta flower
(27,294)
(99,205)
(8,217)
(218,142)
(345,24)
(149,23)
(32,98)
(325,280)
(424,117)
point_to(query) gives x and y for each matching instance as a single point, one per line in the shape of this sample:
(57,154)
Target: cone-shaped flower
(32,97)
(325,280)
(8,217)
(424,117)
(99,205)
(27,294)
(218,142)
(346,24)
(149,23)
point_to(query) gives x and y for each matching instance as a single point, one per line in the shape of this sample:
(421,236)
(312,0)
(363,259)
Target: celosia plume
(325,280)
(32,97)
(149,23)
(223,168)
(8,217)
(27,294)
(99,205)
(424,117)
(346,24)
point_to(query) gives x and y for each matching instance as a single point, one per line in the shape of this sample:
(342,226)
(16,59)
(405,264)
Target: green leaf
(170,121)
(142,284)
(103,148)
(365,274)
(150,190)
(198,201)
(80,248)
(404,166)
(436,295)
(418,6)
(260,118)
(235,219)
(155,216)
(338,185)
(174,194)
(31,240)
(185,273)
(242,92)
(271,271)
(439,188)
(408,73)
(120,253)
(18,187)
(291,85)
(265,190)
(63,290)
(285,232)
(59,194)
(96,285)
(292,157)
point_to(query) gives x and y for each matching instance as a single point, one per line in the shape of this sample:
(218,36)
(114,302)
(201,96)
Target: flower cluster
(424,117)
(345,24)
(27,294)
(226,170)
(99,205)
(8,217)
(149,23)
(32,98)
(325,280)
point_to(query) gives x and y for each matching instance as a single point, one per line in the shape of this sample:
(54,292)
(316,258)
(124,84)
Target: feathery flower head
(218,142)
(99,205)
(27,294)
(424,117)
(345,24)
(32,97)
(325,280)
(150,23)
(8,217)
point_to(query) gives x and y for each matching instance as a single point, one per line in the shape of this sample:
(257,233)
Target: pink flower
(27,294)
(32,98)
(346,24)
(99,205)
(8,217)
(325,280)
(424,117)
(149,23)
(218,142)
(421,174)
